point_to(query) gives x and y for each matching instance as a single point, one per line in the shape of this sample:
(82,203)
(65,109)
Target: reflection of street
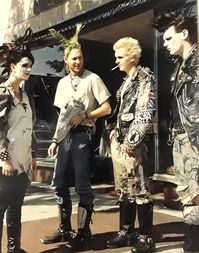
(40,217)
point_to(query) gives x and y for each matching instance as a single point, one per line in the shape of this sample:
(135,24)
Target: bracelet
(4,156)
(54,140)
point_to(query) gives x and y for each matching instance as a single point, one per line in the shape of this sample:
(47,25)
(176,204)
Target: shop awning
(105,15)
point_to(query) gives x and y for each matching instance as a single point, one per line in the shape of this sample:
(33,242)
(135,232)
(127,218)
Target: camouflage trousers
(129,175)
(186,163)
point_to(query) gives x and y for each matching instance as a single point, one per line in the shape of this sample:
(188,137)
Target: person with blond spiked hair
(137,106)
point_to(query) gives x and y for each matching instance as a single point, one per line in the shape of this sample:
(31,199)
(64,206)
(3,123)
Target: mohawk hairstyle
(68,43)
(23,43)
(180,16)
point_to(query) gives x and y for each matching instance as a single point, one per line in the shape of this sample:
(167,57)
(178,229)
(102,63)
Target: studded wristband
(4,155)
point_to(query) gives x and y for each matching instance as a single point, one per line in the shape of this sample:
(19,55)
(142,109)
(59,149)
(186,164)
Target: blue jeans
(73,154)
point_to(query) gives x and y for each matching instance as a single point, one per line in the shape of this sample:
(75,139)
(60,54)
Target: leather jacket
(137,107)
(185,87)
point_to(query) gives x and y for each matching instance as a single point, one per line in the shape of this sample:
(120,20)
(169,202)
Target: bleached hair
(131,45)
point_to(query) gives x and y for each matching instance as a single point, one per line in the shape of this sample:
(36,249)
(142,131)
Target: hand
(7,169)
(112,134)
(75,120)
(31,171)
(52,150)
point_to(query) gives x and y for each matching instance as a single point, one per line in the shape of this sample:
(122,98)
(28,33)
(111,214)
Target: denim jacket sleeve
(145,110)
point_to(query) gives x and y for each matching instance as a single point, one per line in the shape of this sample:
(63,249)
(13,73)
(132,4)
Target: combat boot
(82,240)
(126,235)
(123,239)
(144,244)
(64,232)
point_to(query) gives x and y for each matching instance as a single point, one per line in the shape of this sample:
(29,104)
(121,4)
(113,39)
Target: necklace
(75,80)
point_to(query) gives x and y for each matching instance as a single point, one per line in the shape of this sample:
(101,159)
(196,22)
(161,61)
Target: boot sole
(119,246)
(51,242)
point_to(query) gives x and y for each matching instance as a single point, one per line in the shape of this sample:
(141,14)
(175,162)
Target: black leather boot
(145,218)
(82,240)
(13,220)
(145,242)
(64,232)
(126,235)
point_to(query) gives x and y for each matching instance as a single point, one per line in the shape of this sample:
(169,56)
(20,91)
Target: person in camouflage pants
(180,39)
(137,106)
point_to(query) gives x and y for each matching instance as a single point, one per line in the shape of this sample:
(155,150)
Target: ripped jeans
(73,161)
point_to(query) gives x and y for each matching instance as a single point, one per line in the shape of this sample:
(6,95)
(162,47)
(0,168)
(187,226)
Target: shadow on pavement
(169,232)
(169,237)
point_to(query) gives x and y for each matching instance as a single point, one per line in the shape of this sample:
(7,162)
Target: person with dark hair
(82,97)
(16,125)
(180,38)
(137,107)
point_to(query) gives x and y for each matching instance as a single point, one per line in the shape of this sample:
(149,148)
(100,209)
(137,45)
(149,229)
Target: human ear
(185,34)
(12,66)
(65,59)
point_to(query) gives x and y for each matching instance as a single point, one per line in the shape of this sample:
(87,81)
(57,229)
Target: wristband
(54,140)
(4,156)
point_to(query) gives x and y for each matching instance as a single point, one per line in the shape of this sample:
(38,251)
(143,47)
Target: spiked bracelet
(4,156)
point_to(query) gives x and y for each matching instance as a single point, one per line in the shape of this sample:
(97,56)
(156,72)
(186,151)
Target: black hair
(180,23)
(15,51)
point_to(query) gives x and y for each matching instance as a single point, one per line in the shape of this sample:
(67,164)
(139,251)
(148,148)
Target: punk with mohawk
(82,97)
(180,39)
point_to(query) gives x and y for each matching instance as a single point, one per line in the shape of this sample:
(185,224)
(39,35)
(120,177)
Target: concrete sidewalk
(40,218)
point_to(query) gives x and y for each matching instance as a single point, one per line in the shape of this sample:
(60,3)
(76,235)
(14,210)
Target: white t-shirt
(91,91)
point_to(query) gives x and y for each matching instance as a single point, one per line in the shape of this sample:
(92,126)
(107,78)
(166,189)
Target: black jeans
(12,193)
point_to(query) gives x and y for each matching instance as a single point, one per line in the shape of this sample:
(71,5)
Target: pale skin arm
(103,110)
